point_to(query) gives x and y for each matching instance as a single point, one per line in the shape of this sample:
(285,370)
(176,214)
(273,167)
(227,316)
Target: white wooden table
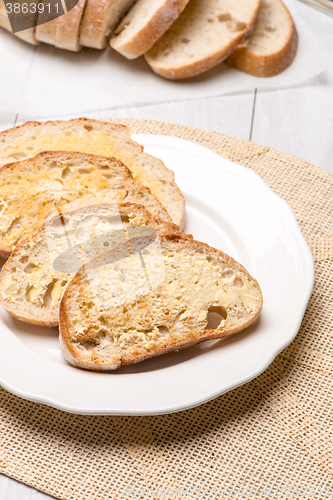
(298,121)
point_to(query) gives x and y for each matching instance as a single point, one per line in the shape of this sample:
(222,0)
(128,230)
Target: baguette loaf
(32,189)
(30,287)
(46,30)
(273,44)
(103,324)
(28,35)
(203,36)
(144,25)
(68,28)
(101,137)
(100,19)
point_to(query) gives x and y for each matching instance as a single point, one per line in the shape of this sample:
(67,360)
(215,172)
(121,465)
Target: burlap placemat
(270,437)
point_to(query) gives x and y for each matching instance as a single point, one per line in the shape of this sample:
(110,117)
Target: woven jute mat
(271,437)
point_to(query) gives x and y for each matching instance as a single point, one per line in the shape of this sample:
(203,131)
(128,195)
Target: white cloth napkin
(46,81)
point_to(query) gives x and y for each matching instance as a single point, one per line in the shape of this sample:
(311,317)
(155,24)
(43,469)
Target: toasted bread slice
(100,137)
(105,324)
(32,189)
(273,44)
(68,28)
(28,35)
(203,36)
(31,285)
(100,19)
(144,25)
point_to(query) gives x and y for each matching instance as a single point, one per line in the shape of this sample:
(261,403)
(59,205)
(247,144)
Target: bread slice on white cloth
(204,35)
(273,44)
(31,190)
(31,285)
(144,25)
(99,137)
(100,19)
(117,312)
(46,30)
(68,28)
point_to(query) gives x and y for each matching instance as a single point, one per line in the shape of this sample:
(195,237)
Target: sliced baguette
(101,137)
(46,30)
(28,35)
(30,288)
(203,36)
(144,25)
(101,330)
(31,190)
(100,19)
(68,28)
(273,44)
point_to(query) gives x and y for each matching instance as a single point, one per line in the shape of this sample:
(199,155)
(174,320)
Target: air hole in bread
(101,319)
(164,330)
(224,17)
(29,268)
(185,40)
(228,274)
(89,128)
(66,173)
(216,314)
(124,218)
(238,282)
(270,29)
(210,20)
(29,293)
(106,244)
(24,259)
(84,171)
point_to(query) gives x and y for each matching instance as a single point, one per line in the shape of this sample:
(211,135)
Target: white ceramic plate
(232,209)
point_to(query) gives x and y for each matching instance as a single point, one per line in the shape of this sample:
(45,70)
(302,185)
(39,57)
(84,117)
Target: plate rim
(260,185)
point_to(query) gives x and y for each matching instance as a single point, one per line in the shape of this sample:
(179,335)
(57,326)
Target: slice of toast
(144,25)
(100,137)
(203,36)
(68,28)
(28,35)
(31,190)
(31,285)
(100,19)
(104,324)
(273,44)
